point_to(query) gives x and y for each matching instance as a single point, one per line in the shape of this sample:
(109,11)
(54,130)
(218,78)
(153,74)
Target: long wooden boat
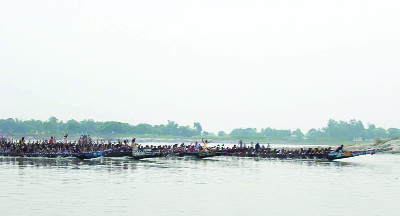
(146,153)
(118,153)
(149,153)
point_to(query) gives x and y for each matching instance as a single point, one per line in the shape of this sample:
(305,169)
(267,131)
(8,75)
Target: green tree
(143,129)
(198,128)
(73,126)
(221,134)
(247,132)
(51,125)
(88,126)
(381,133)
(269,132)
(371,131)
(394,133)
(314,133)
(186,131)
(297,133)
(34,125)
(112,127)
(158,130)
(205,133)
(172,128)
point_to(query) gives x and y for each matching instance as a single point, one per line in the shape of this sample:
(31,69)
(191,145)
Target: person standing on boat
(51,141)
(204,144)
(257,146)
(133,145)
(65,138)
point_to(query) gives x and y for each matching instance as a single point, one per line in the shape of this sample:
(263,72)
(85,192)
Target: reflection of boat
(87,155)
(194,154)
(52,155)
(90,155)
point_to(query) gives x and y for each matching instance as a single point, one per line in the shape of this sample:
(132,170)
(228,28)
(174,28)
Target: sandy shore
(392,143)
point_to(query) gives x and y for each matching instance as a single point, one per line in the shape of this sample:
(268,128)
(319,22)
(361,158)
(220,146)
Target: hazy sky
(225,64)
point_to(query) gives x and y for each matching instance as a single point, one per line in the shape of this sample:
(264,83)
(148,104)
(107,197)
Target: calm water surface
(366,185)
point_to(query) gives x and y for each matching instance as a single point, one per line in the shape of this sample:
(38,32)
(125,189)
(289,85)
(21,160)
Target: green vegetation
(334,131)
(381,141)
(54,126)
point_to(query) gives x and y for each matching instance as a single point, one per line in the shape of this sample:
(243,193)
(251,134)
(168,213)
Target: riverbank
(389,143)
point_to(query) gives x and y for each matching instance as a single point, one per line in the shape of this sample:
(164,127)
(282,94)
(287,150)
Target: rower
(339,149)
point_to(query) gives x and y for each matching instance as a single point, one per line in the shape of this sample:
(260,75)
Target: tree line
(89,126)
(334,129)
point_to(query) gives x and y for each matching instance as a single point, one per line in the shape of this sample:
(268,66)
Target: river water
(365,185)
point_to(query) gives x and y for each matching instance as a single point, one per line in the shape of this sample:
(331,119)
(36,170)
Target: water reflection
(162,163)
(67,163)
(182,186)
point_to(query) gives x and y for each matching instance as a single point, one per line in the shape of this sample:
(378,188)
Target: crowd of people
(85,144)
(51,146)
(241,150)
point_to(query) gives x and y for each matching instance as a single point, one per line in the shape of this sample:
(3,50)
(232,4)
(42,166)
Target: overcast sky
(226,63)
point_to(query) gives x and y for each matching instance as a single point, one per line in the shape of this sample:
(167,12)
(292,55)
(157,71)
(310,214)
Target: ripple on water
(181,186)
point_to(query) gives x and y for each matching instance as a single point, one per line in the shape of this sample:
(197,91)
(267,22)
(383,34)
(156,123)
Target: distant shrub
(380,141)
